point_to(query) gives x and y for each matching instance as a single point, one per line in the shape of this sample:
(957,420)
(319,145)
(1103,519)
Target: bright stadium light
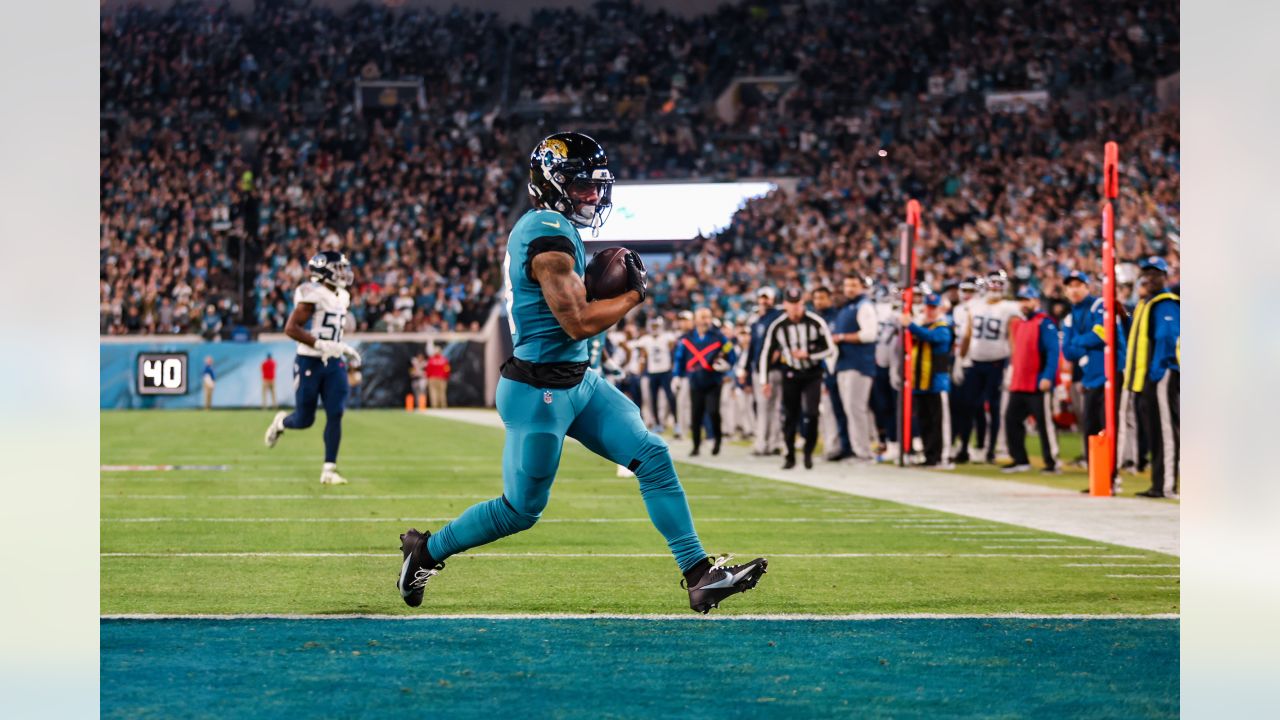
(672,212)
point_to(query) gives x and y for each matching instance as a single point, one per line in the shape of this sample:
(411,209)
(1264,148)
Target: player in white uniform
(680,384)
(320,369)
(633,365)
(657,345)
(986,346)
(963,407)
(888,380)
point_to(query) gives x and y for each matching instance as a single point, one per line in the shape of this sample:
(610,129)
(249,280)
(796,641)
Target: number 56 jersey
(329,316)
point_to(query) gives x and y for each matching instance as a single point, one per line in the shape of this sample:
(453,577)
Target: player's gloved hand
(957,373)
(351,354)
(637,276)
(328,349)
(720,365)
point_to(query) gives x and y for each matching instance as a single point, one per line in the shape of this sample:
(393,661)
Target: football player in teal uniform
(546,393)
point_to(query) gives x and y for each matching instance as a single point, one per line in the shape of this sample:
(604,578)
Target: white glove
(351,354)
(957,373)
(328,349)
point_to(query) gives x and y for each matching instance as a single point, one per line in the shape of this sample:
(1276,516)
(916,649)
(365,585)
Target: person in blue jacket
(1084,342)
(931,377)
(1153,368)
(703,355)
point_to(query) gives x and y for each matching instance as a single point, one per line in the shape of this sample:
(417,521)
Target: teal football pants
(598,415)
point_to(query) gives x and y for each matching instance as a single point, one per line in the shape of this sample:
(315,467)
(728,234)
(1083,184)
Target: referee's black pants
(704,400)
(1035,404)
(801,393)
(1158,406)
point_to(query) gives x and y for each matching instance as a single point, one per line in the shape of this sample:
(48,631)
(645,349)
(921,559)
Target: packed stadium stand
(225,164)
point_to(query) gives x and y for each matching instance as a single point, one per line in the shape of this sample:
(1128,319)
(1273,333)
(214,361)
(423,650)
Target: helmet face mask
(569,173)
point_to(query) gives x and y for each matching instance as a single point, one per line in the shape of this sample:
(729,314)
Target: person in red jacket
(269,381)
(1033,373)
(438,372)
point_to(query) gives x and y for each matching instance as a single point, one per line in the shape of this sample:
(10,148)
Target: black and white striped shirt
(784,337)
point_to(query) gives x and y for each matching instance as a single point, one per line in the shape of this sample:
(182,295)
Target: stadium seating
(224,165)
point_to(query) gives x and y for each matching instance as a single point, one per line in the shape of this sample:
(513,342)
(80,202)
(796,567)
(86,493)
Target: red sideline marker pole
(910,235)
(1111,191)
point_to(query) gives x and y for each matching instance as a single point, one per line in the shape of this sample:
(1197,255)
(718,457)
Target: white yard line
(502,555)
(793,520)
(970,533)
(1043,547)
(1014,540)
(1147,577)
(1121,565)
(693,617)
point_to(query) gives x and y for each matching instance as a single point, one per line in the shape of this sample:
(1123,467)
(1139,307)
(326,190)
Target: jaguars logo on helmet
(569,173)
(330,267)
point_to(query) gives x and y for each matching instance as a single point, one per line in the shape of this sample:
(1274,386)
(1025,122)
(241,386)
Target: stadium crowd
(232,141)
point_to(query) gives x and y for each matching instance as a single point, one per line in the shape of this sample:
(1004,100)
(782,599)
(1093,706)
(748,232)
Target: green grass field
(263,536)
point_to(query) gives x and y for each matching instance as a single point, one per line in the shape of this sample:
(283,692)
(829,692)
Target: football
(606,275)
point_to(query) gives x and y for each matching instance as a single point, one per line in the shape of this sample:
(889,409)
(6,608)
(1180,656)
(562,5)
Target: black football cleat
(721,581)
(418,567)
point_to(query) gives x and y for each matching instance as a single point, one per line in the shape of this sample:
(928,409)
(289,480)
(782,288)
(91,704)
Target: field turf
(262,536)
(269,538)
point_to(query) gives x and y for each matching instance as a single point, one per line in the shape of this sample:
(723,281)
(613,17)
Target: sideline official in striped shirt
(798,343)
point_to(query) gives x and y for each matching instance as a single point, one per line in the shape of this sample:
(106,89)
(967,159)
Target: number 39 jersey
(329,316)
(990,322)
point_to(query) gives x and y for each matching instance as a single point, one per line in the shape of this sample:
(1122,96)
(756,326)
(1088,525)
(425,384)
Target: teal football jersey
(535,333)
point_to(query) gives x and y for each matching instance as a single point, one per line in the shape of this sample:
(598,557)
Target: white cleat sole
(275,429)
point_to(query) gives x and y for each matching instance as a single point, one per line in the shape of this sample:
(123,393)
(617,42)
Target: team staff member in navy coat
(855,329)
(1084,342)
(702,356)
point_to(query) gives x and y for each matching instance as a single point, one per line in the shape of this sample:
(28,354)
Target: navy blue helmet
(330,267)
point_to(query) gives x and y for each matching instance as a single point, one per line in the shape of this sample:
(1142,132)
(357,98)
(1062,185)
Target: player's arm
(296,326)
(567,297)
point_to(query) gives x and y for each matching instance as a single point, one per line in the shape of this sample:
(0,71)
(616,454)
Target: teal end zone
(635,668)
